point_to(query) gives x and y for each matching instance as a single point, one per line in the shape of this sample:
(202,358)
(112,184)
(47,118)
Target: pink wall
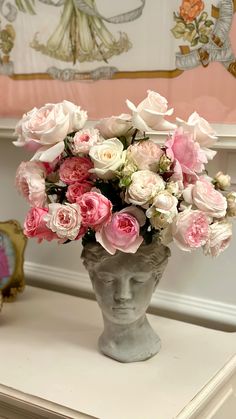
(210,91)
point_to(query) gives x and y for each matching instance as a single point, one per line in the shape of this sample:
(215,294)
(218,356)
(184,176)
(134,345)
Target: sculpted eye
(106,279)
(138,280)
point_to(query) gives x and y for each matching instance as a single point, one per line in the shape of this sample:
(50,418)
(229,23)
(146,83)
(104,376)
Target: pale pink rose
(144,187)
(64,220)
(186,154)
(95,209)
(150,113)
(30,182)
(206,198)
(50,124)
(115,126)
(35,225)
(122,233)
(75,190)
(201,130)
(190,229)
(85,139)
(75,169)
(145,155)
(219,238)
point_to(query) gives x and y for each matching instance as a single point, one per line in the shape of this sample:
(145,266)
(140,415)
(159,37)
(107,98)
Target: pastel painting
(7,260)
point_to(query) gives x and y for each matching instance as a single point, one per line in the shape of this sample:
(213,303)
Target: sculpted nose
(123,290)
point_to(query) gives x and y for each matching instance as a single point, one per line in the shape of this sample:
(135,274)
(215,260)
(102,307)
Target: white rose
(107,158)
(164,207)
(144,186)
(174,188)
(78,116)
(222,181)
(150,113)
(64,220)
(231,204)
(202,131)
(50,124)
(219,238)
(115,126)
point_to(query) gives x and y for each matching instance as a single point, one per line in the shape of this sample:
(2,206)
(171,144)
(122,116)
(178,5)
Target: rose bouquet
(113,185)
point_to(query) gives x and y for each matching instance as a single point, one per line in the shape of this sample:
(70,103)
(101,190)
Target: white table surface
(48,351)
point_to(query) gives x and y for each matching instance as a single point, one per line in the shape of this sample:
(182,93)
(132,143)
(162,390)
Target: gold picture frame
(12,247)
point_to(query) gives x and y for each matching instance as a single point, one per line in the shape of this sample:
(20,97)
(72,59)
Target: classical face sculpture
(123,286)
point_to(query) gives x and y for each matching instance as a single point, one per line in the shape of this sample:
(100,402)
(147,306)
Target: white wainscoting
(184,306)
(194,288)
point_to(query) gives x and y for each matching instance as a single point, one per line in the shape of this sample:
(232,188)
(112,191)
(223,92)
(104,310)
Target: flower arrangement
(113,185)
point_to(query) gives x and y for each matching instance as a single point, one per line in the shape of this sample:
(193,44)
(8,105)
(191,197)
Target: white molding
(72,282)
(195,409)
(226,133)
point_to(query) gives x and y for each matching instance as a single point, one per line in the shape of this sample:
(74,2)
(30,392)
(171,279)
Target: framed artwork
(12,247)
(92,51)
(100,39)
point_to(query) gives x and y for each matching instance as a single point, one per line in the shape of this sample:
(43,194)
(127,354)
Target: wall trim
(226,133)
(72,282)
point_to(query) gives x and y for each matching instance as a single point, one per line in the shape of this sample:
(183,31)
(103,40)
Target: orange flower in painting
(190,9)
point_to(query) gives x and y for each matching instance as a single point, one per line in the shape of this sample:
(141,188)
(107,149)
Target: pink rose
(122,233)
(150,113)
(206,198)
(145,155)
(64,220)
(75,169)
(219,239)
(115,126)
(95,209)
(35,225)
(185,153)
(190,229)
(85,139)
(30,182)
(75,190)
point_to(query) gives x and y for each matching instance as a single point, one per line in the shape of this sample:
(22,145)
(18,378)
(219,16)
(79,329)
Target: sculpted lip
(122,308)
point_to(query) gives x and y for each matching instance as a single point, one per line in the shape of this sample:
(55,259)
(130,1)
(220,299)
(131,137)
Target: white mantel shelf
(50,366)
(226,133)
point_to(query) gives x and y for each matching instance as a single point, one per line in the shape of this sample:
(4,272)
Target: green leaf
(209,23)
(204,39)
(124,141)
(125,182)
(194,41)
(177,18)
(179,30)
(190,27)
(203,17)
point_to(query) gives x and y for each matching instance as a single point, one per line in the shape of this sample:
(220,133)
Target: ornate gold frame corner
(13,230)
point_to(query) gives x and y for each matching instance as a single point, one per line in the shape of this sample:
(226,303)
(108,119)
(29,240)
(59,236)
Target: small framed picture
(12,247)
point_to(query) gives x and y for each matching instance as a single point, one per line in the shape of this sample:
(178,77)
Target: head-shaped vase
(123,284)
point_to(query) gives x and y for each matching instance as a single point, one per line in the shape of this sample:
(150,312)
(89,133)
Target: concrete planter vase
(123,284)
